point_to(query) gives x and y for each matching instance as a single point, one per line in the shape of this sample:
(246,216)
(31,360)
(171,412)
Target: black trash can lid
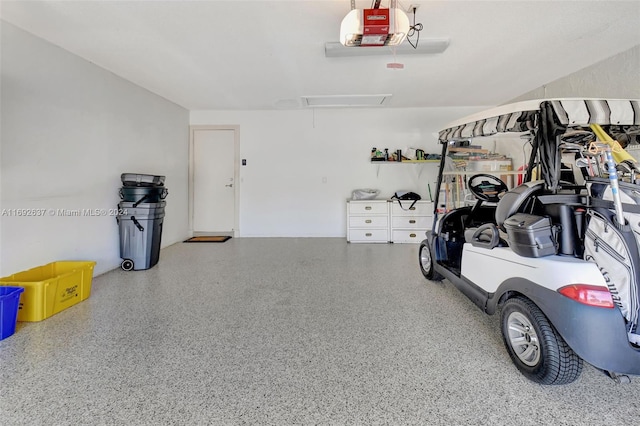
(139,179)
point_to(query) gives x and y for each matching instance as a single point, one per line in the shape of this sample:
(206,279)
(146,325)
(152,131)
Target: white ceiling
(267,54)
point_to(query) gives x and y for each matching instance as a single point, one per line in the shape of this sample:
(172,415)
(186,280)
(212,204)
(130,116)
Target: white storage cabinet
(367,221)
(410,225)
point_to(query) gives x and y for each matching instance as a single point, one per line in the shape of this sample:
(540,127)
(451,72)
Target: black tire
(127,265)
(425,259)
(535,347)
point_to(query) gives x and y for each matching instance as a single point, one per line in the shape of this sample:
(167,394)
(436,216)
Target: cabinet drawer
(421,208)
(420,222)
(368,222)
(368,235)
(368,207)
(408,236)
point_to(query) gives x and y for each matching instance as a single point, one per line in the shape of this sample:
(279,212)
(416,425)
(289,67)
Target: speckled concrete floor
(283,332)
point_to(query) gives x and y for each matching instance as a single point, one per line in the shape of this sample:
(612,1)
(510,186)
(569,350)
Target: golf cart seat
(516,200)
(492,235)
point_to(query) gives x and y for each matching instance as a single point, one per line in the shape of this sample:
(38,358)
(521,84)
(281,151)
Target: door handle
(230,185)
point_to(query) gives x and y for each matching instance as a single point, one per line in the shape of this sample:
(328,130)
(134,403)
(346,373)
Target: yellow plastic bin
(51,288)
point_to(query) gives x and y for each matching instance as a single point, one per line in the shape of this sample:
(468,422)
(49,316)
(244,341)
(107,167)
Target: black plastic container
(531,235)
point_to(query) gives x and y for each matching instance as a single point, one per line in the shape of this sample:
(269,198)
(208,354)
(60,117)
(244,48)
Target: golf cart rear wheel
(127,265)
(535,347)
(426,262)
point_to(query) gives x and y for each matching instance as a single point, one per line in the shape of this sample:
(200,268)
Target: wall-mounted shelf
(469,150)
(405,161)
(421,162)
(487,172)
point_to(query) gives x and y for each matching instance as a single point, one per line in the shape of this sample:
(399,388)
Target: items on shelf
(464,161)
(409,155)
(365,194)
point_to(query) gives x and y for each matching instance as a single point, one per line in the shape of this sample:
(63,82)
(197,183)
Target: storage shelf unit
(487,172)
(410,224)
(367,221)
(383,221)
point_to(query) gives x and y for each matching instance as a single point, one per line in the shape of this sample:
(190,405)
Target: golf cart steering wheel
(487,187)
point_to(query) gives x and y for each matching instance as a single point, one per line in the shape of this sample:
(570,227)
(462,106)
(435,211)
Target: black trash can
(138,195)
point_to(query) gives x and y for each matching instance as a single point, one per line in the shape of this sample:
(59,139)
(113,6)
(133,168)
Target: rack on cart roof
(545,121)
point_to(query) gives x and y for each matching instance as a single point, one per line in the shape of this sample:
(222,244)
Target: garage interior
(285,323)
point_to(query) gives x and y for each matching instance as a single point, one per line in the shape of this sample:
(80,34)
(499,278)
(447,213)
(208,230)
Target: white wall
(615,77)
(291,153)
(69,129)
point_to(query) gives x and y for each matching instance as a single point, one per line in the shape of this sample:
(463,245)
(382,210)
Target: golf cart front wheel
(127,265)
(535,347)
(425,258)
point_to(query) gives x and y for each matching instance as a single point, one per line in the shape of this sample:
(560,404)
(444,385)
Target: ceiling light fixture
(426,47)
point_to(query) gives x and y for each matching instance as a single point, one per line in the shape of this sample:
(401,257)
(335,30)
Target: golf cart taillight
(588,294)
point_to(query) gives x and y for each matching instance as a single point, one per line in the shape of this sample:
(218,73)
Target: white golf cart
(536,220)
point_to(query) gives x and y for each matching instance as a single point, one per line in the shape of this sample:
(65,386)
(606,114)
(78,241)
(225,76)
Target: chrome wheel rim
(523,339)
(425,258)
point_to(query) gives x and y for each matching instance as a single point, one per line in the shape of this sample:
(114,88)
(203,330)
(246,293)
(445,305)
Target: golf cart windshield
(545,140)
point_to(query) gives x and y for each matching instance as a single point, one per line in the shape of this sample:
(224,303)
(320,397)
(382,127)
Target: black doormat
(208,239)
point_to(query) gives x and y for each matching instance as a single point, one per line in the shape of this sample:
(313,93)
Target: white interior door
(214,186)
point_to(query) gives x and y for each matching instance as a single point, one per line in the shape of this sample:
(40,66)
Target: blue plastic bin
(9,302)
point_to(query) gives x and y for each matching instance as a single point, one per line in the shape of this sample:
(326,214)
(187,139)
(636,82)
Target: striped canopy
(524,116)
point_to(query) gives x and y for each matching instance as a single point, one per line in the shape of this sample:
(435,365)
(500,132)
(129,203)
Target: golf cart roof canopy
(525,116)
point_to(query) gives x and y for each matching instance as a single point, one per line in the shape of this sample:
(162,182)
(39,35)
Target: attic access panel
(346,100)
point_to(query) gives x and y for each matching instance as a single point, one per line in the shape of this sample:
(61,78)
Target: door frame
(236,172)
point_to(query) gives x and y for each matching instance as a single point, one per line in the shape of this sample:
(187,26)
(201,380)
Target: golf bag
(614,247)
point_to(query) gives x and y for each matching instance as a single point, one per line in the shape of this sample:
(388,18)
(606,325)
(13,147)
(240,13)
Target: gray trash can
(140,218)
(140,234)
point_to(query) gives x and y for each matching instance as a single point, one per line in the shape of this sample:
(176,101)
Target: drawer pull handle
(412,235)
(412,221)
(368,234)
(367,221)
(367,208)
